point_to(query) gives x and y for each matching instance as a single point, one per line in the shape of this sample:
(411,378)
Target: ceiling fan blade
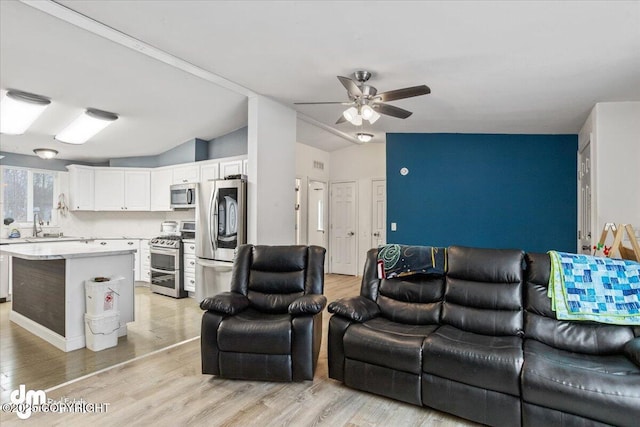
(322,102)
(406,92)
(350,85)
(392,111)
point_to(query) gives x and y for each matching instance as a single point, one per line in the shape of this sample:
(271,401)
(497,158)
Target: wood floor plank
(168,389)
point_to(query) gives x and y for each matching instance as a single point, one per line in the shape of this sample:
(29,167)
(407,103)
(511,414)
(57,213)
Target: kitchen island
(48,296)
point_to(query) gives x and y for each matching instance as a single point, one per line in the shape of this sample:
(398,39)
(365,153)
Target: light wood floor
(168,389)
(27,359)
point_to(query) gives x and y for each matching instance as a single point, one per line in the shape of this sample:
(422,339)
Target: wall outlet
(394,226)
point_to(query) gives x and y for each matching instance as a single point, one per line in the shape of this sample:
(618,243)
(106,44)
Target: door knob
(351,233)
(376,234)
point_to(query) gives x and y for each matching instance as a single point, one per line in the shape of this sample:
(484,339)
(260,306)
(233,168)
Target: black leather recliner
(269,326)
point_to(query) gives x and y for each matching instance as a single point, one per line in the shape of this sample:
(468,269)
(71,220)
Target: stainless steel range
(166,266)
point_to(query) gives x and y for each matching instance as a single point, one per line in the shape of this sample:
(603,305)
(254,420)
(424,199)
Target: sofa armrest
(308,304)
(632,350)
(226,303)
(358,309)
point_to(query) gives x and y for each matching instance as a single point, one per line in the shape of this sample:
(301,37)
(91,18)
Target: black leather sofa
(269,326)
(482,343)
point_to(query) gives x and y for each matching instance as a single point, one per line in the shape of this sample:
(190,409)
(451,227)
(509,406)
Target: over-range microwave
(183,196)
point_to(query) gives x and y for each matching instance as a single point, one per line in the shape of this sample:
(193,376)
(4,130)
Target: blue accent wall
(483,190)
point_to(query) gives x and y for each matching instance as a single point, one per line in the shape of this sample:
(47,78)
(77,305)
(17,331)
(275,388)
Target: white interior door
(378,212)
(584,200)
(318,214)
(344,248)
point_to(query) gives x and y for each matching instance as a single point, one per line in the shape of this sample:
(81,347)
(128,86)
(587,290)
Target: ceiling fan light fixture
(87,125)
(367,112)
(350,114)
(18,111)
(46,153)
(364,137)
(374,116)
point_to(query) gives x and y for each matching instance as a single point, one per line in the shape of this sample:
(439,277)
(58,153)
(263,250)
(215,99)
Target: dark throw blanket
(401,260)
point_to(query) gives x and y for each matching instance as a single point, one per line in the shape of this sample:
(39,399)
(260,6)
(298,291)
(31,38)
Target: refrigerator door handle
(213,227)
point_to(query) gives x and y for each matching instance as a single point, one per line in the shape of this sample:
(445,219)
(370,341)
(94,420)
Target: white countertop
(45,251)
(21,240)
(7,241)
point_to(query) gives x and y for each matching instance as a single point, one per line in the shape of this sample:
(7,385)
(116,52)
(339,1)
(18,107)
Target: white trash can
(102,295)
(101,331)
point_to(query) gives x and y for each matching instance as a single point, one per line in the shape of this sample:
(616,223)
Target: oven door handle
(171,252)
(159,270)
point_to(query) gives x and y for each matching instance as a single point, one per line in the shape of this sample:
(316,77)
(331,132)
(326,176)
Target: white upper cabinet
(209,171)
(81,188)
(109,194)
(120,189)
(137,188)
(161,180)
(245,167)
(185,174)
(140,189)
(233,167)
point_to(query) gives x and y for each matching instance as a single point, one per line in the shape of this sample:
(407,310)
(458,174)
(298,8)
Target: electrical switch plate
(394,226)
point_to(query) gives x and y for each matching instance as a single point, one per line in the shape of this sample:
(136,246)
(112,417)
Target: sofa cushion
(416,299)
(270,333)
(483,291)
(382,342)
(603,388)
(483,361)
(541,323)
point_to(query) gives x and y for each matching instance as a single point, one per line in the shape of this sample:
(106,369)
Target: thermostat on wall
(404,171)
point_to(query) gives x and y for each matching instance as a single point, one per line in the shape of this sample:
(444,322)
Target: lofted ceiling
(493,66)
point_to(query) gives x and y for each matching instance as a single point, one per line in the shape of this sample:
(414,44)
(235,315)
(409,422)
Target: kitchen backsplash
(118,224)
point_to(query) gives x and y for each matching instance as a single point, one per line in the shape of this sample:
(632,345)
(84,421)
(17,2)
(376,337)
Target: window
(27,191)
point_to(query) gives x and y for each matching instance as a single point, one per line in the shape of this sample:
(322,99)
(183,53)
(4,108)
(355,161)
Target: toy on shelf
(617,248)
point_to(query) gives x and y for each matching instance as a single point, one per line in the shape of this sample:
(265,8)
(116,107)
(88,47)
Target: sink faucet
(36,222)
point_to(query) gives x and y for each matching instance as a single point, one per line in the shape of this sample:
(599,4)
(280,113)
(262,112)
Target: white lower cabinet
(189,259)
(145,261)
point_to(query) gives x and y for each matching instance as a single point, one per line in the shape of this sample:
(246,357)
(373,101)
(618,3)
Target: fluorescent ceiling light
(18,110)
(86,126)
(46,153)
(364,137)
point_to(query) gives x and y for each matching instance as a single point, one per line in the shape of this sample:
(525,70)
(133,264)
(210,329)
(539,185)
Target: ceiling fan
(367,104)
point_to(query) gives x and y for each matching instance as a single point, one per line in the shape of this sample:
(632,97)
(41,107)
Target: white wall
(271,152)
(360,163)
(615,146)
(305,170)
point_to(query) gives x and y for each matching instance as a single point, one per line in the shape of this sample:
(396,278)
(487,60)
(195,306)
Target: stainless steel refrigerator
(221,215)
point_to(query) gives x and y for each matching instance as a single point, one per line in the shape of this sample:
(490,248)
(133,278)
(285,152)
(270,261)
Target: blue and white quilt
(584,287)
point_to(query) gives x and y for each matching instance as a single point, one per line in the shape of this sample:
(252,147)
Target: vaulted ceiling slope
(492,66)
